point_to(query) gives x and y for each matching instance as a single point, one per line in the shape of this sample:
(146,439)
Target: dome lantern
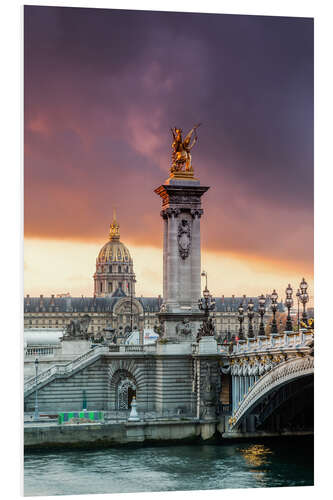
(114,233)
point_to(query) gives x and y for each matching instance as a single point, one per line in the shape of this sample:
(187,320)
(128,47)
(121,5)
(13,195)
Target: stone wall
(66,394)
(104,435)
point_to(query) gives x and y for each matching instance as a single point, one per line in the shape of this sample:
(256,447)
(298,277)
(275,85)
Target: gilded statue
(181,149)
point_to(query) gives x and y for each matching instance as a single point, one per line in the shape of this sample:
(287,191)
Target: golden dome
(114,250)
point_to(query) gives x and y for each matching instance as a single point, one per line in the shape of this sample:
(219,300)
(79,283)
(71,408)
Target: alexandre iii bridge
(249,386)
(265,383)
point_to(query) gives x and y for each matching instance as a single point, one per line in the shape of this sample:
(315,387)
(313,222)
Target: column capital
(196,212)
(170,212)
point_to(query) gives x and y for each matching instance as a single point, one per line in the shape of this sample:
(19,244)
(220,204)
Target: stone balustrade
(276,342)
(41,351)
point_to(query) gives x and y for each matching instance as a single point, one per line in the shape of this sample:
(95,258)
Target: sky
(102,89)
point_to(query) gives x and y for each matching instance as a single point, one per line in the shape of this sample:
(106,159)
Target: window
(110,287)
(120,285)
(119,269)
(110,269)
(101,287)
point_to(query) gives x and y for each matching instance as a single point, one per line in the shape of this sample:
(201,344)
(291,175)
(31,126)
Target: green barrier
(93,416)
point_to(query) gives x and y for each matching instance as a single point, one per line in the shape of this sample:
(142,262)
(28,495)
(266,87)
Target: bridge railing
(275,341)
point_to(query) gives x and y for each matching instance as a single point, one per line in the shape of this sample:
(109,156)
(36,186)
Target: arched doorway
(125,392)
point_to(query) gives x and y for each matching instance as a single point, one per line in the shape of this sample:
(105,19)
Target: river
(255,464)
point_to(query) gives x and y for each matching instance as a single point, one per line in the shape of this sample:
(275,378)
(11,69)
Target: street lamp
(289,303)
(304,299)
(274,297)
(262,302)
(36,416)
(298,294)
(250,315)
(206,304)
(241,319)
(132,280)
(204,274)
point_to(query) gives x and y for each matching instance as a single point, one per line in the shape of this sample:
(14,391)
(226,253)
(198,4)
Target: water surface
(255,464)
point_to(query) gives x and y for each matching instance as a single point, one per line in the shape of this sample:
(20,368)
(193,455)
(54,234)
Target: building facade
(114,305)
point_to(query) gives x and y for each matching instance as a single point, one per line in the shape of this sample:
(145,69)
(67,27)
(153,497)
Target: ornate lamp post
(206,304)
(304,297)
(250,315)
(205,275)
(262,302)
(36,415)
(289,304)
(241,319)
(298,294)
(274,297)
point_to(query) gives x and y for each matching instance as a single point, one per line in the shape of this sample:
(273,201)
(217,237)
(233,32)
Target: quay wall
(116,434)
(105,435)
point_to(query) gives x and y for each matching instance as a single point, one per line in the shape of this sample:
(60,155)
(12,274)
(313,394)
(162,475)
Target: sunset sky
(102,89)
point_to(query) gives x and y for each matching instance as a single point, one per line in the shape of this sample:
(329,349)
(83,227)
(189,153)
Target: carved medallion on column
(184,238)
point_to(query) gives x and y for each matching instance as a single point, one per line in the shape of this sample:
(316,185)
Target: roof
(106,304)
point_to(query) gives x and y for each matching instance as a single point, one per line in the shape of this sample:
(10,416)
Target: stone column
(233,388)
(172,258)
(198,388)
(165,253)
(242,387)
(196,258)
(237,391)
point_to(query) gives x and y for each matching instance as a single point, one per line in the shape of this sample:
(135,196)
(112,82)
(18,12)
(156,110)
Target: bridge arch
(283,374)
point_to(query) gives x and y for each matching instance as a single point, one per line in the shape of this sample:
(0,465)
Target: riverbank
(105,435)
(110,434)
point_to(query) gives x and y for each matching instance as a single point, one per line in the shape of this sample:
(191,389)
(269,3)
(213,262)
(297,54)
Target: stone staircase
(61,370)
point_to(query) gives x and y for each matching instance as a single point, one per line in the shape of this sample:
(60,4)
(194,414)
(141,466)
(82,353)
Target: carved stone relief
(184,238)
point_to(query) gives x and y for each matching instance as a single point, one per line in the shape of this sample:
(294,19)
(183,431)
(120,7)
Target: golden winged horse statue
(181,149)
